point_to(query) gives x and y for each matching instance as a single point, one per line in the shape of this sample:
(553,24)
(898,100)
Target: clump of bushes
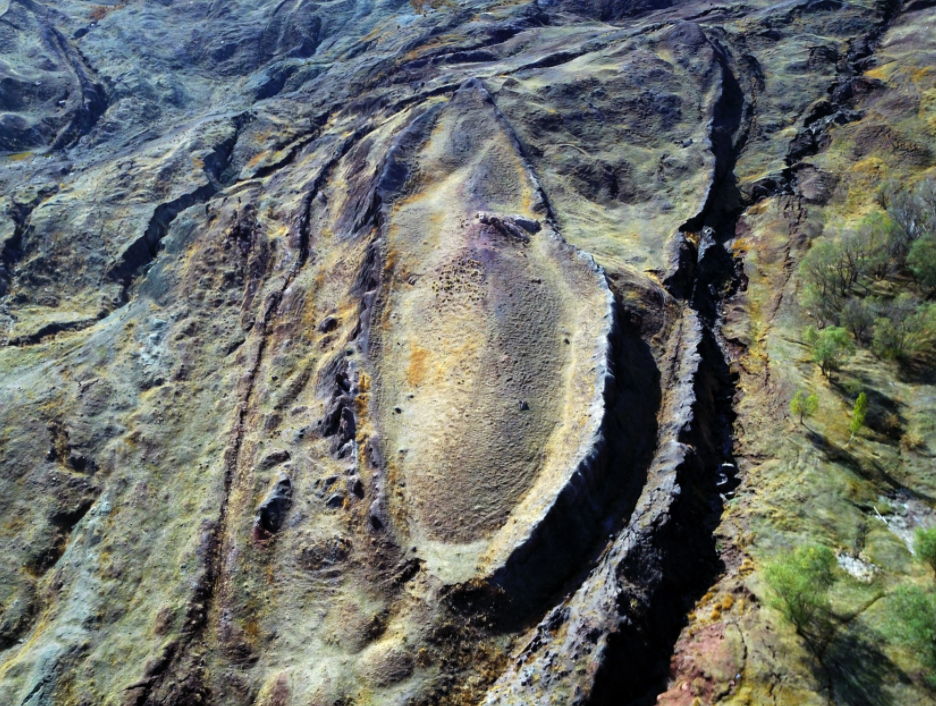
(804,405)
(912,623)
(907,329)
(799,584)
(850,281)
(911,616)
(922,261)
(830,346)
(924,546)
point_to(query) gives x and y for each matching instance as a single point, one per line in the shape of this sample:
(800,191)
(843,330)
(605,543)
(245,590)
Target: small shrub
(884,507)
(799,583)
(853,387)
(858,416)
(912,441)
(891,425)
(803,405)
(924,546)
(830,347)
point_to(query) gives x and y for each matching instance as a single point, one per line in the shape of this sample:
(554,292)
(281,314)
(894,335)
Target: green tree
(854,257)
(803,405)
(876,235)
(912,213)
(820,304)
(829,347)
(858,317)
(922,261)
(912,623)
(858,416)
(906,330)
(924,545)
(820,274)
(799,584)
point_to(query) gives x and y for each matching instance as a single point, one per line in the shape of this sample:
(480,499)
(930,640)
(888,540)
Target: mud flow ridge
(208,594)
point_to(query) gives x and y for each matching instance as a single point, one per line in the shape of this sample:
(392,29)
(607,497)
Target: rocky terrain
(441,352)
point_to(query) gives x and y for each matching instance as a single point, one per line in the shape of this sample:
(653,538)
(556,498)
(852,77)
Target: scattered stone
(329,324)
(528,224)
(862,570)
(274,458)
(272,511)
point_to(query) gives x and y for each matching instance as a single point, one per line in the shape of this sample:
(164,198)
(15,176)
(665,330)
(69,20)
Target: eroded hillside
(443,352)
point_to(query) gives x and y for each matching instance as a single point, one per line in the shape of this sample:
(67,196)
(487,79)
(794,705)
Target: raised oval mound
(494,345)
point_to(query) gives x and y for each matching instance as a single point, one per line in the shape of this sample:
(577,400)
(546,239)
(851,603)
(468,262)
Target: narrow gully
(635,671)
(140,254)
(636,665)
(838,108)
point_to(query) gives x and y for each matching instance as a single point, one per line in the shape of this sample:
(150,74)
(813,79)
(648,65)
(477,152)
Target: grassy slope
(804,483)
